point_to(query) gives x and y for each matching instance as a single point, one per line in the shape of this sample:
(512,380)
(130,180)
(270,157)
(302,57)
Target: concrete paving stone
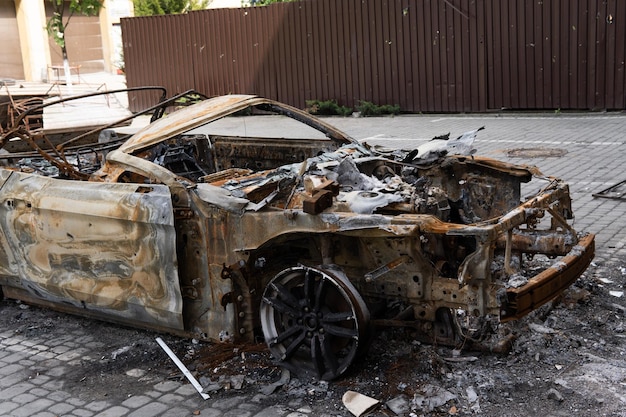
(31,407)
(249,406)
(170,398)
(43,356)
(6,407)
(82,339)
(297,414)
(76,401)
(57,371)
(71,355)
(44,414)
(209,412)
(228,403)
(11,380)
(50,363)
(24,398)
(237,413)
(136,401)
(53,384)
(153,394)
(27,363)
(11,392)
(59,396)
(273,411)
(18,348)
(115,411)
(94,345)
(40,392)
(79,361)
(61,409)
(149,410)
(166,386)
(81,412)
(28,343)
(177,412)
(12,368)
(15,358)
(186,390)
(97,405)
(41,347)
(38,378)
(60,349)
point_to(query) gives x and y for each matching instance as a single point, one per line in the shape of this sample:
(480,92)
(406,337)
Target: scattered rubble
(574,368)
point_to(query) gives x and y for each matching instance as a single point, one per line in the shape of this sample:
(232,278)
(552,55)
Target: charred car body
(222,235)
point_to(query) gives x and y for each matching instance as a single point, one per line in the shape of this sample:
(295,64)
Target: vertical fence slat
(426,55)
(619,27)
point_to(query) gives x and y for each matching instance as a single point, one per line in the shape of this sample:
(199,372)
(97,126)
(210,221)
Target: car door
(107,248)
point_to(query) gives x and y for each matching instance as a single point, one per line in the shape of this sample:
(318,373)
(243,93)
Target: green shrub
(367,108)
(327,108)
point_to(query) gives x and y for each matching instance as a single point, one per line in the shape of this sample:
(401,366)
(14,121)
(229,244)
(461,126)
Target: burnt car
(203,226)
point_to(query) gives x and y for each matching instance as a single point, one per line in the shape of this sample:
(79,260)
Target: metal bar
(183,368)
(612,192)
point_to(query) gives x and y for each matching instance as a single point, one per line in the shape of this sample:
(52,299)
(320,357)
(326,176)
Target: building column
(31,23)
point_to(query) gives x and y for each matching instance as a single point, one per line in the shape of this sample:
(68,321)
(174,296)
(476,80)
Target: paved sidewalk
(33,367)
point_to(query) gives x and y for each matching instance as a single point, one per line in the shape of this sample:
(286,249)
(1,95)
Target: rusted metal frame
(546,285)
(507,252)
(62,164)
(177,185)
(100,147)
(300,116)
(558,218)
(160,107)
(547,242)
(99,93)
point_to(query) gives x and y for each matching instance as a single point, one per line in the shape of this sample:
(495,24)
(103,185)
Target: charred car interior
(199,226)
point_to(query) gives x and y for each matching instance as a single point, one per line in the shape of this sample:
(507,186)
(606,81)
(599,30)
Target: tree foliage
(158,7)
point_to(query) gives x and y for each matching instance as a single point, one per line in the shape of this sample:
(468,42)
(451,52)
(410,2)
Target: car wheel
(314,321)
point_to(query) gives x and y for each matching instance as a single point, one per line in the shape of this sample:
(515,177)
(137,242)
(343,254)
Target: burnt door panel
(106,248)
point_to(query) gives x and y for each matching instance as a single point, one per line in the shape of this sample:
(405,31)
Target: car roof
(186,119)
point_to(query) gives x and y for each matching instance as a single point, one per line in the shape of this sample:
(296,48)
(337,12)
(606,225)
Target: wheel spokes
(293,346)
(286,335)
(285,295)
(343,332)
(336,317)
(313,320)
(282,307)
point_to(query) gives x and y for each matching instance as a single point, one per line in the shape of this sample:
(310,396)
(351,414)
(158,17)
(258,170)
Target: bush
(367,108)
(327,108)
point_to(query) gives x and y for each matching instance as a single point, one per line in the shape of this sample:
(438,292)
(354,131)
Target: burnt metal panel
(104,248)
(425,55)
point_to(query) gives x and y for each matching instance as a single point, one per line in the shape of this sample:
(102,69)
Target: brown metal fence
(424,55)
